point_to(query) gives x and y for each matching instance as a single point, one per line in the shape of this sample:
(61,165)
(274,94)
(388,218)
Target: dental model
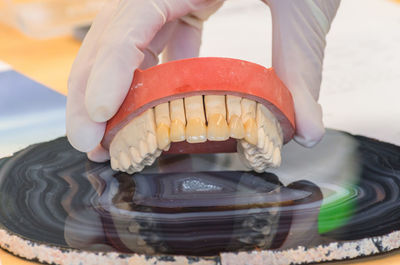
(192,110)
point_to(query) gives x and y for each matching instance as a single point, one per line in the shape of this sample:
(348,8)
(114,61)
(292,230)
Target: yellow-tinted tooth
(163,123)
(167,147)
(267,121)
(196,131)
(124,161)
(177,110)
(152,142)
(249,120)
(135,155)
(236,127)
(114,164)
(276,160)
(261,138)
(248,109)
(163,139)
(217,129)
(161,112)
(268,148)
(177,131)
(134,142)
(233,106)
(178,120)
(143,149)
(250,129)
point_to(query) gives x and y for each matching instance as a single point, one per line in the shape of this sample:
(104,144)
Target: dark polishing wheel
(51,194)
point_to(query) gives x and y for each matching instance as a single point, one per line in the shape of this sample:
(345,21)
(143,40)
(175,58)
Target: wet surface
(346,188)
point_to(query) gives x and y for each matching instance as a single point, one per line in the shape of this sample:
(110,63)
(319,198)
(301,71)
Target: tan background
(49,62)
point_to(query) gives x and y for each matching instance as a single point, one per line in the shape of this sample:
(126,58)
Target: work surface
(360,88)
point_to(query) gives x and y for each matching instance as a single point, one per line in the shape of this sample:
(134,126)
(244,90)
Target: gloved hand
(299,28)
(130,34)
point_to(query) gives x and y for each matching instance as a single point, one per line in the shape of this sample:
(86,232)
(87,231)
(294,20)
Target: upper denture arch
(205,76)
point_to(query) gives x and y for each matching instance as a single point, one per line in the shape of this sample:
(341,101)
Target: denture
(202,105)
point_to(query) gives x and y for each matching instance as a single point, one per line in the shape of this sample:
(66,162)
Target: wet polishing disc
(58,207)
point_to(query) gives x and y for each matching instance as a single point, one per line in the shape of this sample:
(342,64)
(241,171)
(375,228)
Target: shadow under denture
(202,204)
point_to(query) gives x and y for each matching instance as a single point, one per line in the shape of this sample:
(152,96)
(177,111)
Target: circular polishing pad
(58,207)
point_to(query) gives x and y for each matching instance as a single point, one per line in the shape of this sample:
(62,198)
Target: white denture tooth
(163,125)
(161,113)
(148,160)
(261,138)
(250,128)
(236,128)
(130,170)
(137,168)
(150,121)
(260,159)
(127,145)
(258,163)
(268,148)
(163,138)
(248,157)
(117,145)
(259,169)
(270,152)
(177,131)
(177,110)
(249,120)
(143,149)
(178,120)
(167,147)
(217,127)
(215,104)
(268,121)
(152,143)
(267,143)
(194,108)
(248,109)
(234,112)
(252,150)
(233,106)
(196,130)
(124,161)
(114,164)
(136,158)
(276,160)
(245,144)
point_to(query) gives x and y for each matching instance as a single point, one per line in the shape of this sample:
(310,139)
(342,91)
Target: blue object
(29,112)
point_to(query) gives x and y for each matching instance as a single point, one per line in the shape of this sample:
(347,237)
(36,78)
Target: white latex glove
(130,34)
(299,28)
(124,36)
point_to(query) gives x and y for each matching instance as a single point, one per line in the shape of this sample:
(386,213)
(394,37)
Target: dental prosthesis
(202,105)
